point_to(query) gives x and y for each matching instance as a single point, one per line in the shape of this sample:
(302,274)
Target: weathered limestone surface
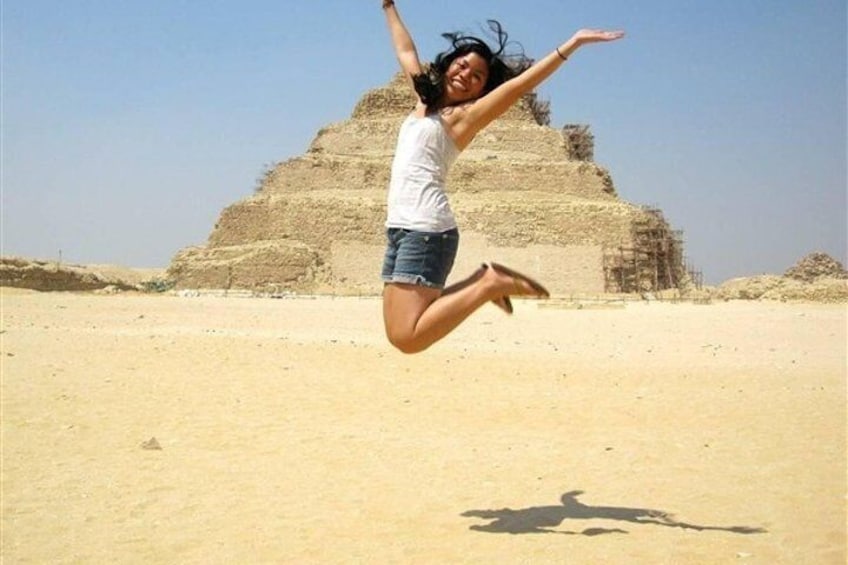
(316,224)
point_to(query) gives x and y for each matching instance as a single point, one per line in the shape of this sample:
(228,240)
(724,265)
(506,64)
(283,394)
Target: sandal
(541,291)
(504,303)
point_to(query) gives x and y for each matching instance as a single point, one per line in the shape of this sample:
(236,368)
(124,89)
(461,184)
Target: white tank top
(417,199)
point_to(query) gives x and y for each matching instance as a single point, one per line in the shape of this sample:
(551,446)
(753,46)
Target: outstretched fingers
(598,35)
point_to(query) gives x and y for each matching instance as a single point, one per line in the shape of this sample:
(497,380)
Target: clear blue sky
(128,125)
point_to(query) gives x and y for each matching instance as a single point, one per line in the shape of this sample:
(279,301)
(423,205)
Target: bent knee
(405,342)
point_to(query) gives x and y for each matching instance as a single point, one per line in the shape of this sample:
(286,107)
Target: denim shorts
(420,258)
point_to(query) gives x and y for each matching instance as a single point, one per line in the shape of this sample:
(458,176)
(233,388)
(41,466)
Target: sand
(289,432)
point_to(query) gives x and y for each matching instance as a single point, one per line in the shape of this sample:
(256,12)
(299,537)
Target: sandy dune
(291,433)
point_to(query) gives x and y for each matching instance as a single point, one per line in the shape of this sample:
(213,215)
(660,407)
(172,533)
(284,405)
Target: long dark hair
(430,85)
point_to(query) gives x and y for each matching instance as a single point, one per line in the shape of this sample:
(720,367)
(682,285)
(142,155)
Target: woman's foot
(504,303)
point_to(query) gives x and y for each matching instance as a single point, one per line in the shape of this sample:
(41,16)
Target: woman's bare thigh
(403,305)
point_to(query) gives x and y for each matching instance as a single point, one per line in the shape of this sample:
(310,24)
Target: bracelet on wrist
(561,56)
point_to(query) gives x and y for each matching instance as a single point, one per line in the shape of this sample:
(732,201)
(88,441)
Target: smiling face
(465,78)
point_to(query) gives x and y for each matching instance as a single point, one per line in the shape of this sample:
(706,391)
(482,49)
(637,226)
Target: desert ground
(157,428)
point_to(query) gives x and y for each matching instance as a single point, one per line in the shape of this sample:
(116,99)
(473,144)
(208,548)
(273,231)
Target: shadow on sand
(542,519)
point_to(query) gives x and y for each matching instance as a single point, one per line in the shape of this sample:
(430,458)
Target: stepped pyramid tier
(316,223)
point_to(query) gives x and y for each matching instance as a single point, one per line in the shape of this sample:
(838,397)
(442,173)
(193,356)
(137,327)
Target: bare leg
(416,317)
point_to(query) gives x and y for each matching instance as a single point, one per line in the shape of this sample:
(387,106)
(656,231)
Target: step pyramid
(315,225)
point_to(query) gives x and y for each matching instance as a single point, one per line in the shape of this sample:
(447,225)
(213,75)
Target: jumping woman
(459,94)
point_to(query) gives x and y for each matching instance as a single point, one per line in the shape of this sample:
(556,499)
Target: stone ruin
(524,194)
(817,277)
(20,272)
(816,266)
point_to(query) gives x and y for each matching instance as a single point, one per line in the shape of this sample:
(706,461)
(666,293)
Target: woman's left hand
(585,36)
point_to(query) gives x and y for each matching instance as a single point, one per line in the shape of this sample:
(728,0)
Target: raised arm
(484,110)
(405,50)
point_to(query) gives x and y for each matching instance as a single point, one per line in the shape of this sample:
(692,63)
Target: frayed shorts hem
(416,280)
